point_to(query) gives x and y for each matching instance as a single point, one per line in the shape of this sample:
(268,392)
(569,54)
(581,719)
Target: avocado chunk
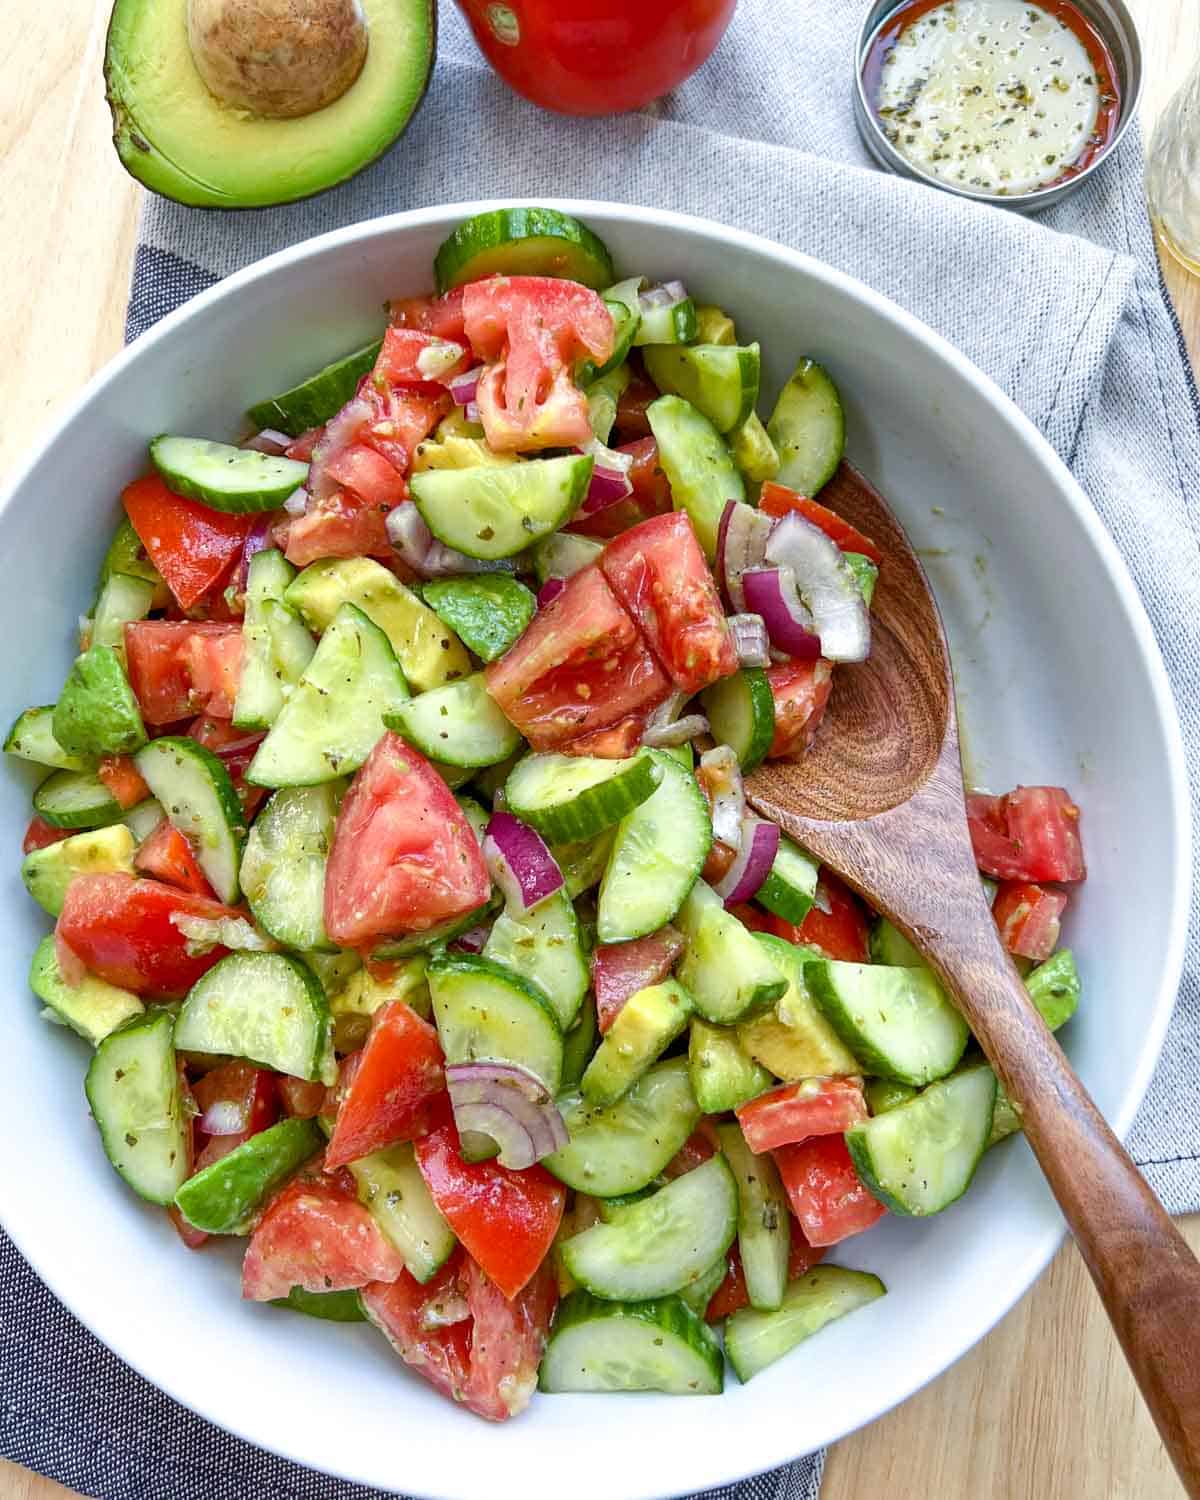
(100,851)
(190,144)
(96,713)
(93,1008)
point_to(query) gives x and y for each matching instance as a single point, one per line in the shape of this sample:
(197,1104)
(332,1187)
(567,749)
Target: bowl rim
(978,1322)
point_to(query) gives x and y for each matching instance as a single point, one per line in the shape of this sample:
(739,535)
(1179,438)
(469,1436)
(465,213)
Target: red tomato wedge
(1031,834)
(301,1100)
(617,742)
(428,1326)
(166,855)
(532,330)
(659,574)
(192,546)
(619,970)
(40,835)
(815,1106)
(840,932)
(317,1235)
(234,748)
(403,417)
(731,1296)
(239,1097)
(825,1191)
(506,1220)
(694,1152)
(442,316)
(122,778)
(1029,918)
(178,668)
(801,690)
(631,423)
(399,1073)
(371,477)
(404,857)
(121,929)
(409,354)
(778,500)
(651,495)
(341,525)
(580,666)
(508,1339)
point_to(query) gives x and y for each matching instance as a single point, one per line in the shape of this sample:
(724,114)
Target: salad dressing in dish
(997,96)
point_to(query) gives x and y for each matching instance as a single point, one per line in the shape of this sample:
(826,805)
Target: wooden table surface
(1043,1409)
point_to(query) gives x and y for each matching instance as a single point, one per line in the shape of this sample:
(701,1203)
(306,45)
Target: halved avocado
(178,139)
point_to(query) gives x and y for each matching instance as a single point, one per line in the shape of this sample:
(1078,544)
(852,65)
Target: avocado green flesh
(178,139)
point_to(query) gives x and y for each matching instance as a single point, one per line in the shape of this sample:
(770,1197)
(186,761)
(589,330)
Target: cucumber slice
(134,1094)
(32,738)
(334,717)
(754,1340)
(126,554)
(225,1197)
(808,428)
(457,725)
(277,647)
(93,1008)
(919,1157)
(283,865)
(741,714)
(543,946)
(795,1040)
(564,554)
(643,1346)
(883,1094)
(96,712)
(667,323)
(754,452)
(720,380)
(487,612)
(316,399)
(662,1243)
(571,797)
(730,975)
(579,1044)
(658,853)
(76,799)
(647,1024)
(764,1222)
(123,599)
(582,864)
(888,945)
(898,1022)
(266,1007)
(723,1075)
(489,512)
(435,937)
(791,888)
(333,1307)
(621,1148)
(625,310)
(714,325)
(223,477)
(428,653)
(1054,987)
(522,242)
(143,819)
(486,1013)
(195,790)
(393,1191)
(101,851)
(866,574)
(603,397)
(700,1293)
(698,466)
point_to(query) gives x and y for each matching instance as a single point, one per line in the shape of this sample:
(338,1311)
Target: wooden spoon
(879,798)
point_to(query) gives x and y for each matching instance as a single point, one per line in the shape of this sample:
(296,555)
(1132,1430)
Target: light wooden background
(1043,1409)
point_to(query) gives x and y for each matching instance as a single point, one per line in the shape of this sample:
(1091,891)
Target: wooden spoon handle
(1147,1276)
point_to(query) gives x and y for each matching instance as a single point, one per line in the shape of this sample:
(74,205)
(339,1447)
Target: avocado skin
(96,713)
(170,179)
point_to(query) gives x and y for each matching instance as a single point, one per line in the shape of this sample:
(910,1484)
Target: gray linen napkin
(1067,314)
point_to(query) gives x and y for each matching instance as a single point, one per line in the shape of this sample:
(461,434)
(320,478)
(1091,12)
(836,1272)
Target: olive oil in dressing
(998,96)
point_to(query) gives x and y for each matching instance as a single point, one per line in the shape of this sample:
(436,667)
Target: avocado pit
(277,59)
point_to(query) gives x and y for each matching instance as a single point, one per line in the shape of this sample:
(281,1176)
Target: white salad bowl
(970,477)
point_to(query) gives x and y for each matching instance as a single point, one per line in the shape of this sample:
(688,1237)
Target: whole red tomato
(596,57)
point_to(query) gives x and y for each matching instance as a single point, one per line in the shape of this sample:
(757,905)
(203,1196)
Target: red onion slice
(472,941)
(519,862)
(758,846)
(463,387)
(749,639)
(417,546)
(342,429)
(772,592)
(826,584)
(550,591)
(271,441)
(297,502)
(727,797)
(741,543)
(511,1105)
(663,296)
(610,480)
(665,728)
(258,538)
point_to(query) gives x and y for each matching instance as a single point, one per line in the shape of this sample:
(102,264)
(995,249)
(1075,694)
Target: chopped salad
(403,876)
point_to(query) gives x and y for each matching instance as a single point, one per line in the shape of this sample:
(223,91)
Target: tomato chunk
(301,1100)
(178,668)
(315,1234)
(121,929)
(695,1151)
(617,742)
(632,422)
(731,1296)
(410,356)
(40,835)
(840,932)
(238,1097)
(372,478)
(1031,834)
(659,574)
(398,1075)
(778,500)
(651,495)
(801,690)
(122,778)
(404,857)
(581,665)
(428,1326)
(192,546)
(340,525)
(825,1192)
(508,1339)
(815,1106)
(506,1220)
(1029,918)
(442,316)
(619,970)
(168,856)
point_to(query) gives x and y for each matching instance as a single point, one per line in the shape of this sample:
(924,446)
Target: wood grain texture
(1044,1408)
